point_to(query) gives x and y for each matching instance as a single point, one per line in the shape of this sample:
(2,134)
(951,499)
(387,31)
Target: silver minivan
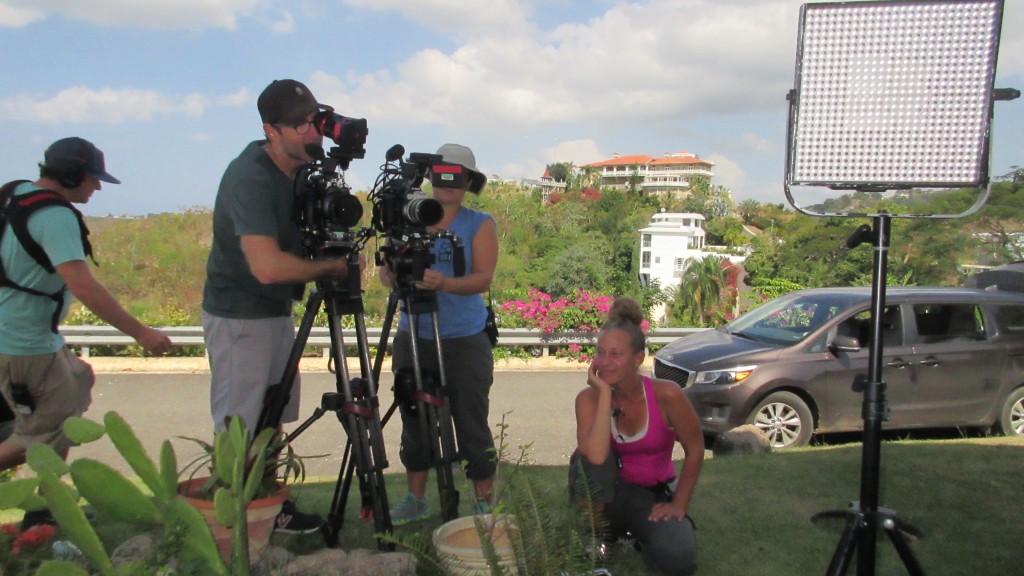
(952,357)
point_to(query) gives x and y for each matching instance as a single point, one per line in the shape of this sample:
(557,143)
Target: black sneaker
(37,518)
(291,521)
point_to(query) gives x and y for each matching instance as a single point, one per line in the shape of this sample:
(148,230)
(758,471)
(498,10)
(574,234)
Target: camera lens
(342,209)
(423,211)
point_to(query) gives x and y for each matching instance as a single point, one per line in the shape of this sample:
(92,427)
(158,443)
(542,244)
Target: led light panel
(894,94)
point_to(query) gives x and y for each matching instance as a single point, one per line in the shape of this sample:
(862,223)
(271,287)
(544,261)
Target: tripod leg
(382,346)
(446,440)
(893,527)
(277,395)
(361,420)
(441,425)
(435,416)
(847,544)
(374,471)
(336,515)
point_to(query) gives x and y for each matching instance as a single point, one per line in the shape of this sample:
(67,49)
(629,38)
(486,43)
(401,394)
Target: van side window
(892,327)
(1010,319)
(942,322)
(859,326)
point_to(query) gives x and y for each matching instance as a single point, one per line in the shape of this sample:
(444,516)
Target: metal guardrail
(88,336)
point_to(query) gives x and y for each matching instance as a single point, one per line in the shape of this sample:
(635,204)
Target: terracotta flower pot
(458,544)
(261,515)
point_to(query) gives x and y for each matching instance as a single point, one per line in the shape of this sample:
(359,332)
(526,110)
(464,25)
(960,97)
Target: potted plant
(235,484)
(112,495)
(483,542)
(522,534)
(239,473)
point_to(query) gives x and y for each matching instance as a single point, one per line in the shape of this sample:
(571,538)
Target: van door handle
(897,363)
(931,361)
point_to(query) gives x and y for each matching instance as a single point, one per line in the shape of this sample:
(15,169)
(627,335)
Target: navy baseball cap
(70,153)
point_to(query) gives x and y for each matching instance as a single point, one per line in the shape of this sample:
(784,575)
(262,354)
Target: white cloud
(1011,43)
(107,106)
(526,169)
(637,63)
(727,172)
(240,98)
(751,143)
(284,25)
(457,17)
(187,14)
(17,16)
(579,152)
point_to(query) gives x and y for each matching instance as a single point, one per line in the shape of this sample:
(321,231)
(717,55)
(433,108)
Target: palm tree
(747,209)
(590,177)
(701,287)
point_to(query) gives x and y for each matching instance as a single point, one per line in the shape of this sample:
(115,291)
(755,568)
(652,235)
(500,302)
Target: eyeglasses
(301,128)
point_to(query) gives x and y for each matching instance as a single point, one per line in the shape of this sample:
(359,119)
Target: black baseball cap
(287,102)
(70,153)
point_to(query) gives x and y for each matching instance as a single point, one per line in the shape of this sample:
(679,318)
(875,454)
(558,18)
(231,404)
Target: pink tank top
(647,456)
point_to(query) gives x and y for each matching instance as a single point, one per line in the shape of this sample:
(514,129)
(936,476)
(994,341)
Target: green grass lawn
(753,513)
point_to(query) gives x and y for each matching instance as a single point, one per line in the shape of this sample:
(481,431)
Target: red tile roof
(643,159)
(624,161)
(679,160)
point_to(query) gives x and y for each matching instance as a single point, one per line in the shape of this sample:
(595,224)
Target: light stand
(893,95)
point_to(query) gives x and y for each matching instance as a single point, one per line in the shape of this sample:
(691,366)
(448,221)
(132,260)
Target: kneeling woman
(626,428)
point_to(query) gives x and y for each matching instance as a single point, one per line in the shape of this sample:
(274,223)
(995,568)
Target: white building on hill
(668,242)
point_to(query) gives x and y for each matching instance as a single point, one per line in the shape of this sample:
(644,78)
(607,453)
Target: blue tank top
(458,316)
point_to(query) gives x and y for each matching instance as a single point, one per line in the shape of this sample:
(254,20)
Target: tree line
(586,239)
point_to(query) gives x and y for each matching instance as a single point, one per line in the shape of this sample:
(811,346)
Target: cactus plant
(110,494)
(238,474)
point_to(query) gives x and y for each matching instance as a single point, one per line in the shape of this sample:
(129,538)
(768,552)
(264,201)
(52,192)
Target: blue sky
(167,88)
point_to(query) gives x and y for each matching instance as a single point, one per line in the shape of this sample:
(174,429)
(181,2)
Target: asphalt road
(537,407)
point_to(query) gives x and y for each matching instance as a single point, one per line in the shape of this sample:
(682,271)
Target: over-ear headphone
(73,175)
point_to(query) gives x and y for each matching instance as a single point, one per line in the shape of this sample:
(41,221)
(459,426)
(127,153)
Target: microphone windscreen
(394,153)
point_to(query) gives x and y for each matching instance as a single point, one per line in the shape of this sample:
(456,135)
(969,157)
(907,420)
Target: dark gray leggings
(668,546)
(469,367)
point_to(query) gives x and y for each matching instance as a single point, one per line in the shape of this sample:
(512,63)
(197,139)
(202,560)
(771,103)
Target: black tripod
(864,518)
(424,393)
(355,403)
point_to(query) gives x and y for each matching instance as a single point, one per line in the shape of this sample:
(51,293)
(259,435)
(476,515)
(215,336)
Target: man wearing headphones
(43,248)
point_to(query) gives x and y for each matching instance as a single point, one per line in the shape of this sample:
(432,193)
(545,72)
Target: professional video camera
(325,209)
(403,214)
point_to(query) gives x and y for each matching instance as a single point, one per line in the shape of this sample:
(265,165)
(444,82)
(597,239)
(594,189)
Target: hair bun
(626,309)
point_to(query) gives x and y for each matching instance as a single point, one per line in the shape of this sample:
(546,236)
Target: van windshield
(789,319)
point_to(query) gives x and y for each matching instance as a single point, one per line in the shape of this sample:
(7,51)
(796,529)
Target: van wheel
(784,419)
(1011,419)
